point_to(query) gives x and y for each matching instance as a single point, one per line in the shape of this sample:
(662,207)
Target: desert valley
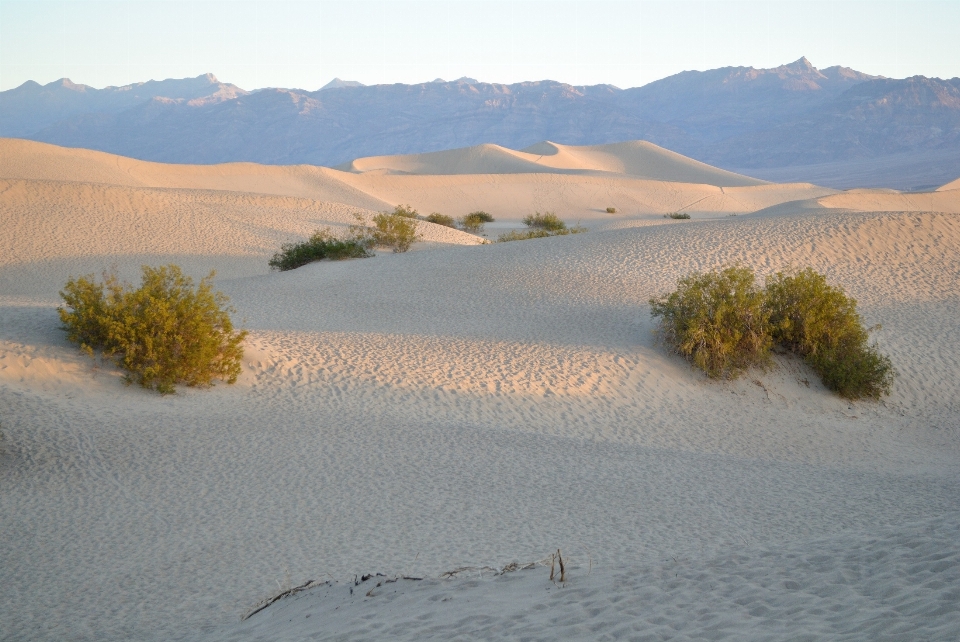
(466,405)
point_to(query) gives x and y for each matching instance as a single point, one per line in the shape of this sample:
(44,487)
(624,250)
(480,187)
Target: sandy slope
(637,159)
(468,406)
(641,180)
(952,185)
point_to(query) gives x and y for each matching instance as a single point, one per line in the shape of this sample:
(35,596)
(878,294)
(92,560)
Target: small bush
(611,210)
(441,219)
(854,371)
(321,245)
(474,221)
(716,320)
(540,226)
(523,235)
(394,231)
(547,221)
(164,333)
(405,211)
(820,323)
(678,215)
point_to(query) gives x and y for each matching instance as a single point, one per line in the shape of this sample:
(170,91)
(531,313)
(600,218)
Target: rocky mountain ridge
(760,120)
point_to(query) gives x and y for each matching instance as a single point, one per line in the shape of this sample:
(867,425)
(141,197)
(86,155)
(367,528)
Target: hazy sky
(305,44)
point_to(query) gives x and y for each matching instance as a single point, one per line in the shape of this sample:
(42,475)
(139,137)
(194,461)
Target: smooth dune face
(636,159)
(952,185)
(469,405)
(39,161)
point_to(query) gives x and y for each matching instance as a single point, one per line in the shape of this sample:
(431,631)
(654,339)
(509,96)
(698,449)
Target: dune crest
(634,159)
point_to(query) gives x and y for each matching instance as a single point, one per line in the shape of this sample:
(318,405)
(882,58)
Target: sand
(471,405)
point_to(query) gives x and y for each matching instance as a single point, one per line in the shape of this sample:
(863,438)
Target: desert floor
(470,405)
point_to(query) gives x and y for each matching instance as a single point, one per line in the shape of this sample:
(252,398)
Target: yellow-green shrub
(820,323)
(440,219)
(717,320)
(322,244)
(397,231)
(164,333)
(724,323)
(474,222)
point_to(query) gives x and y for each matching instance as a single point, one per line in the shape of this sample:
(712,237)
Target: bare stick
(563,573)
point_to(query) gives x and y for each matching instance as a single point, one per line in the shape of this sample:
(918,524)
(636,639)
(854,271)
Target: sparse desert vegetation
(540,226)
(405,211)
(725,323)
(611,210)
(164,333)
(820,323)
(475,374)
(393,230)
(441,219)
(681,216)
(474,222)
(322,244)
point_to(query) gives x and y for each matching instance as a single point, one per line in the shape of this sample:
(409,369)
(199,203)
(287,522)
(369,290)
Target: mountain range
(836,126)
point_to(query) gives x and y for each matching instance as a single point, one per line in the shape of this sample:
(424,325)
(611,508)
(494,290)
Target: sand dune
(639,179)
(469,405)
(893,201)
(637,159)
(84,227)
(952,185)
(40,161)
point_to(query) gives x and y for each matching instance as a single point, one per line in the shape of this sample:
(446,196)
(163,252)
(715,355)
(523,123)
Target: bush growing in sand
(540,226)
(164,333)
(405,211)
(440,219)
(683,216)
(547,221)
(522,235)
(820,323)
(724,323)
(717,320)
(394,231)
(611,210)
(321,245)
(474,222)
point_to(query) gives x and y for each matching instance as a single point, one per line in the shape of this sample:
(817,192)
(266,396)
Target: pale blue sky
(304,44)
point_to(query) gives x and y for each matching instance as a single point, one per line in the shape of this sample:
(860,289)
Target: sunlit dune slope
(637,159)
(577,183)
(952,185)
(76,228)
(31,160)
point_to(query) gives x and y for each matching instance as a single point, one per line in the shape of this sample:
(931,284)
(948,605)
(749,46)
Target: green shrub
(724,323)
(540,226)
(164,333)
(394,231)
(474,221)
(611,210)
(716,320)
(522,235)
(441,219)
(547,221)
(405,211)
(820,323)
(806,313)
(321,245)
(678,215)
(854,371)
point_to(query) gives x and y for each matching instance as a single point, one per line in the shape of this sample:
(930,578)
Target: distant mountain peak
(336,83)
